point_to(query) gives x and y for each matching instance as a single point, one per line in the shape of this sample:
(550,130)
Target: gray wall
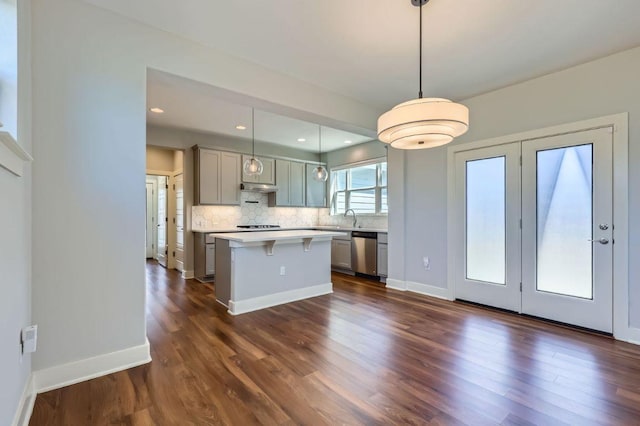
(89,137)
(602,87)
(355,153)
(15,216)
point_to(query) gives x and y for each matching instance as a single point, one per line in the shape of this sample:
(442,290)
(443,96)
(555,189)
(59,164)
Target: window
(361,187)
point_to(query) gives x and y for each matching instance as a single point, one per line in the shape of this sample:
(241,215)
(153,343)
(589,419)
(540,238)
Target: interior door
(179,182)
(162,220)
(487,215)
(150,221)
(567,256)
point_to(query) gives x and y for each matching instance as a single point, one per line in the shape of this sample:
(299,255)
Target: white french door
(535,227)
(567,233)
(488,218)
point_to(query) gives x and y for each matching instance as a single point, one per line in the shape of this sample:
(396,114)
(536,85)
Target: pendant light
(423,122)
(253,166)
(320,173)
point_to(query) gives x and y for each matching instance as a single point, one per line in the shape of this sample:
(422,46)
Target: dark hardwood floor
(363,355)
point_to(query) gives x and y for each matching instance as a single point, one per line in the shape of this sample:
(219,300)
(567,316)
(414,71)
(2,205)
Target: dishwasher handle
(364,234)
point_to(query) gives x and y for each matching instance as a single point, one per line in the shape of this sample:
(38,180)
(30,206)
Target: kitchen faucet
(355,218)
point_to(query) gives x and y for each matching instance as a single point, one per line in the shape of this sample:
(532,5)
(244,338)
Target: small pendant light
(320,173)
(253,166)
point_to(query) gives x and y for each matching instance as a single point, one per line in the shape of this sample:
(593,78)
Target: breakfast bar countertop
(251,237)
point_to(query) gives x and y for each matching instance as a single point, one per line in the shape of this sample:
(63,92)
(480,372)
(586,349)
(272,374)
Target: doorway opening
(165,207)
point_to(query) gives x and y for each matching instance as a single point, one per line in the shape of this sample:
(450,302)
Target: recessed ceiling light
(241,127)
(348,141)
(156,110)
(302,140)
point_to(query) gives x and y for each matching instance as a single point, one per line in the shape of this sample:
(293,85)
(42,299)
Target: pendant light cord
(319,145)
(253,135)
(420,54)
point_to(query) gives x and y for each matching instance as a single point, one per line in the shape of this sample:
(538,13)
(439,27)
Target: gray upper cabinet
(230,168)
(296,184)
(268,173)
(290,183)
(217,177)
(316,191)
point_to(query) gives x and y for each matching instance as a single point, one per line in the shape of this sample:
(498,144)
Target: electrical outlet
(282,270)
(427,263)
(29,339)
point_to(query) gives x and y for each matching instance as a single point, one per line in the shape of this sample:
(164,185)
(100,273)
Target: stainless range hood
(258,187)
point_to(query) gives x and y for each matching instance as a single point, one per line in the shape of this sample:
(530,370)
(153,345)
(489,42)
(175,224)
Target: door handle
(600,240)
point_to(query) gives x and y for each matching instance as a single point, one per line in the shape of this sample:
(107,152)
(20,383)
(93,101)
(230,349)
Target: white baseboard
(187,275)
(249,305)
(396,284)
(426,289)
(633,335)
(429,290)
(78,371)
(25,408)
(179,265)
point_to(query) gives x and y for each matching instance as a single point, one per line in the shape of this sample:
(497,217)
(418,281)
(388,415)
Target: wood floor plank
(362,355)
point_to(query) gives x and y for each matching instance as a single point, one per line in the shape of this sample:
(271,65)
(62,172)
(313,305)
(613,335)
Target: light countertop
(252,237)
(319,228)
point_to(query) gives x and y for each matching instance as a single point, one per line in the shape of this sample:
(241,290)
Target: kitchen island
(257,270)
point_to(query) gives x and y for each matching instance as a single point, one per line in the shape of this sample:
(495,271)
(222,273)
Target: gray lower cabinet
(204,256)
(210,259)
(217,177)
(383,255)
(341,252)
(290,179)
(316,191)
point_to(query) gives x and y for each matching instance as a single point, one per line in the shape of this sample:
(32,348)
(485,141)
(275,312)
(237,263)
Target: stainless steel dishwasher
(364,252)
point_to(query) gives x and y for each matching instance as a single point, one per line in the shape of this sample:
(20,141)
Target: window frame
(378,187)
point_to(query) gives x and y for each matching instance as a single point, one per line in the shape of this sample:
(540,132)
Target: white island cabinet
(257,270)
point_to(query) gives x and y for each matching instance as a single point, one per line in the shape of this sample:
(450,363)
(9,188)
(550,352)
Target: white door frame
(150,245)
(620,125)
(154,206)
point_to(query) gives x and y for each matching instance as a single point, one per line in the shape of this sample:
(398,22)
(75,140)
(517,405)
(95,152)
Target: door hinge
(520,223)
(520,287)
(166,219)
(166,252)
(174,220)
(174,186)
(174,254)
(166,186)
(521,160)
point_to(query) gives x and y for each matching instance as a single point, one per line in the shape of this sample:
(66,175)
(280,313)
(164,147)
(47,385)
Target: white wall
(15,216)
(89,141)
(602,87)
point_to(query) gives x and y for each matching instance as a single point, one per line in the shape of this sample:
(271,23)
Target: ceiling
(192,105)
(367,50)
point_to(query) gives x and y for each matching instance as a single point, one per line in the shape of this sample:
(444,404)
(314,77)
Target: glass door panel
(565,211)
(485,220)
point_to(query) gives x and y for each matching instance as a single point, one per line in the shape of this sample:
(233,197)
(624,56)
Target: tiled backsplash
(253,210)
(375,222)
